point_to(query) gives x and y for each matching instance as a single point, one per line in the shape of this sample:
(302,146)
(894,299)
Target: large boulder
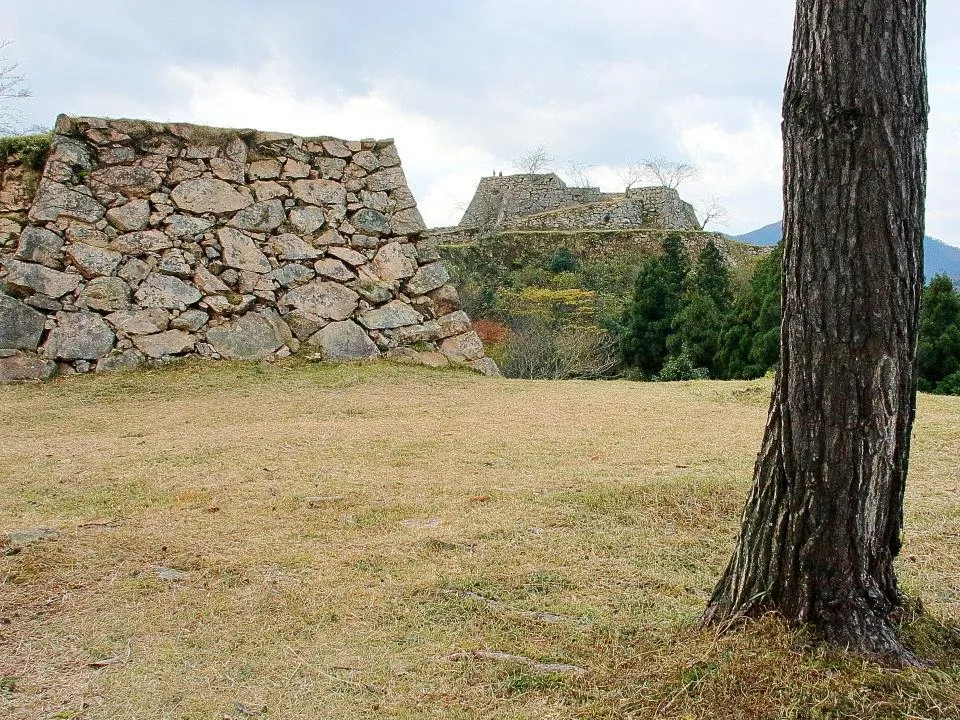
(132,181)
(427,278)
(140,322)
(182,226)
(241,252)
(319,192)
(329,300)
(291,247)
(389,179)
(25,367)
(20,325)
(37,278)
(55,200)
(79,336)
(351,257)
(487,366)
(333,269)
(292,274)
(93,261)
(445,298)
(133,216)
(166,291)
(39,245)
(260,217)
(208,283)
(141,242)
(306,220)
(407,222)
(392,315)
(455,323)
(171,342)
(391,263)
(209,195)
(303,324)
(344,341)
(122,360)
(253,336)
(463,348)
(370,222)
(105,294)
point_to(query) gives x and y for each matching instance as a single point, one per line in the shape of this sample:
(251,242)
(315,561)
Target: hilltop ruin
(544,202)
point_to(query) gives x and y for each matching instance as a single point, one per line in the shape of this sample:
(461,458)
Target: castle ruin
(544,202)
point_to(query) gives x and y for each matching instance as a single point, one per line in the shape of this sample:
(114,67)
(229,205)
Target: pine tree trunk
(823,520)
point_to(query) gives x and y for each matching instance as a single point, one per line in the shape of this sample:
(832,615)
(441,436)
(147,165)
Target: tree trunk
(823,520)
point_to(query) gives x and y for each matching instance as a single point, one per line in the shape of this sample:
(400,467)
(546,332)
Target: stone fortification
(499,199)
(641,208)
(544,202)
(146,241)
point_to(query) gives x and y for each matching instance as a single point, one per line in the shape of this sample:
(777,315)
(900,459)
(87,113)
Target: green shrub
(32,149)
(680,367)
(562,261)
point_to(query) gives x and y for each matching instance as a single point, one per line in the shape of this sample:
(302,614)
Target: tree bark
(823,520)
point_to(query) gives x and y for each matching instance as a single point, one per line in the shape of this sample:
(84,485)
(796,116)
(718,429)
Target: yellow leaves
(571,306)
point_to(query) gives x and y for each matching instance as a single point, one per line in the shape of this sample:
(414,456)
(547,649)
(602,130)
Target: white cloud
(943,158)
(741,166)
(441,166)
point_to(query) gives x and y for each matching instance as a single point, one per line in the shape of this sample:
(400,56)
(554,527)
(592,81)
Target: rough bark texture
(823,521)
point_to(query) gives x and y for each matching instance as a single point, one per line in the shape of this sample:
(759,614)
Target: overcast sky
(467,85)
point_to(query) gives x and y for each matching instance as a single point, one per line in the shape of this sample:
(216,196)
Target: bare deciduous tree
(535,351)
(631,175)
(711,210)
(668,173)
(578,174)
(534,162)
(12,87)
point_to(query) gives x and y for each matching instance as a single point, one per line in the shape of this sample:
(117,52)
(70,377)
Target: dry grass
(611,505)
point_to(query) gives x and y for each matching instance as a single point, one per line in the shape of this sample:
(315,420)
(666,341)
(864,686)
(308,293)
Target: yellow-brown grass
(457,505)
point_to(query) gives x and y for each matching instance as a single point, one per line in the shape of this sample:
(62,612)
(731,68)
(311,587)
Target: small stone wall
(146,242)
(643,208)
(664,208)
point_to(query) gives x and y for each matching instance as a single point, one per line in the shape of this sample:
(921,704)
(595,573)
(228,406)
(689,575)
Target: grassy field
(305,541)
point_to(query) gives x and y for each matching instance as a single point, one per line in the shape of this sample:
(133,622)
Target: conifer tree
(699,323)
(938,352)
(657,297)
(750,340)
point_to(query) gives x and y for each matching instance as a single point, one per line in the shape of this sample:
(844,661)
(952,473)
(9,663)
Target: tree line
(687,320)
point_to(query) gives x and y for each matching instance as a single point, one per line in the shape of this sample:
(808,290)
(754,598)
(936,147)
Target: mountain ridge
(939,257)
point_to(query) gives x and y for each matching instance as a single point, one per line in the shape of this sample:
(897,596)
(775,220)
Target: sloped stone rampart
(544,202)
(148,241)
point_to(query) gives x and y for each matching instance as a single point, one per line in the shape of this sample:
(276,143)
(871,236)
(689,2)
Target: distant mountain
(767,235)
(938,257)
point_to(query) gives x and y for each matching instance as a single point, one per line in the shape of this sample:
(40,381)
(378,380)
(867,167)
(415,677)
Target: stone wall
(146,242)
(544,202)
(18,183)
(620,214)
(664,208)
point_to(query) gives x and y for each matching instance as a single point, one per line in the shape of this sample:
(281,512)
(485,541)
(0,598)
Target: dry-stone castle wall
(544,202)
(146,241)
